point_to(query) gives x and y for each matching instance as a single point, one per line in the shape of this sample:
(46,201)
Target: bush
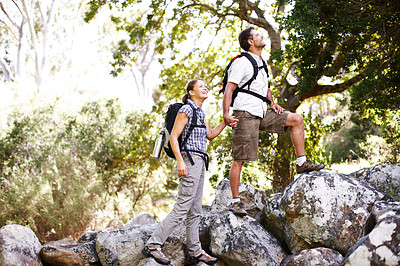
(64,173)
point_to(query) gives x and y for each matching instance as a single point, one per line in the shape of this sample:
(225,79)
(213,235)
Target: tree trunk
(283,174)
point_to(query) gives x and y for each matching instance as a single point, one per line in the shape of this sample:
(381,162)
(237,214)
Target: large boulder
(253,200)
(129,251)
(385,178)
(322,209)
(316,256)
(107,241)
(243,241)
(142,218)
(68,252)
(382,245)
(19,246)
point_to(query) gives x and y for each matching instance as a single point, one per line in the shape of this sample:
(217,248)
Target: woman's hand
(182,169)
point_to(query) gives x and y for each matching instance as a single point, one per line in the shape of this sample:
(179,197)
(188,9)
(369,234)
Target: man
(250,114)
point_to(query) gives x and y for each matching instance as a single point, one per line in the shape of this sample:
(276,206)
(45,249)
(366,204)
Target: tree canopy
(317,47)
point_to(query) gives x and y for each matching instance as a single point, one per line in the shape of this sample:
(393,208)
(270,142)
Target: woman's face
(200,90)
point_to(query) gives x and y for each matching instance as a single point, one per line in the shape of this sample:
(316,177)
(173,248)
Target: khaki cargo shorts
(245,135)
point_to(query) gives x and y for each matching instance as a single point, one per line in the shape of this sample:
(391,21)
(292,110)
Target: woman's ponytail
(185,98)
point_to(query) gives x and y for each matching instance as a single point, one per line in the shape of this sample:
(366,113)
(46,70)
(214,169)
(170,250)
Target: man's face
(257,39)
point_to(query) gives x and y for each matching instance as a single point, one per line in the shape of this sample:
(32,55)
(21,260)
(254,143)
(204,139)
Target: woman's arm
(212,133)
(180,123)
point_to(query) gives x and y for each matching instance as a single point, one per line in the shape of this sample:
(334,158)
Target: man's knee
(295,120)
(237,164)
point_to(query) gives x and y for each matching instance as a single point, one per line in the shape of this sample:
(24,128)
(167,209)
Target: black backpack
(170,117)
(255,73)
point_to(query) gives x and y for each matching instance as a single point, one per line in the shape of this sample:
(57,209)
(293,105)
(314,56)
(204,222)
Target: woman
(190,192)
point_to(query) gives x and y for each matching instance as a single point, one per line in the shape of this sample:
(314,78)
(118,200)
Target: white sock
(301,160)
(233,200)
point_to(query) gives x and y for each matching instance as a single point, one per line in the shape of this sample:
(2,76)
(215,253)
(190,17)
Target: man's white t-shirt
(239,73)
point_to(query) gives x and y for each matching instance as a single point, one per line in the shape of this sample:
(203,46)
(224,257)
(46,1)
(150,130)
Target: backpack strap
(183,146)
(248,83)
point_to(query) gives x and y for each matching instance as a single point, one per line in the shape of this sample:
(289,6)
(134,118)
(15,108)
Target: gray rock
(382,245)
(19,246)
(107,241)
(385,178)
(60,253)
(142,219)
(87,236)
(324,209)
(273,220)
(243,241)
(253,200)
(129,253)
(313,257)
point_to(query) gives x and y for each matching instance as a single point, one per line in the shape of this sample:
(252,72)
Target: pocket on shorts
(185,187)
(240,148)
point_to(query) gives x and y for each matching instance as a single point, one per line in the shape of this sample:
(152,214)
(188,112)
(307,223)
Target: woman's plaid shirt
(198,138)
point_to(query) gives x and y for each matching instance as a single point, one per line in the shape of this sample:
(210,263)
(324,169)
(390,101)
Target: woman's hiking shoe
(237,208)
(202,257)
(157,254)
(308,166)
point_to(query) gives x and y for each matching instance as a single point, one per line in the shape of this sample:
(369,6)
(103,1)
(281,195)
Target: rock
(382,245)
(252,199)
(19,246)
(272,219)
(88,236)
(143,218)
(106,242)
(64,252)
(385,178)
(316,256)
(243,241)
(323,209)
(129,253)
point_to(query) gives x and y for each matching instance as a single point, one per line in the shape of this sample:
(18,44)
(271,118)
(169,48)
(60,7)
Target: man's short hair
(244,36)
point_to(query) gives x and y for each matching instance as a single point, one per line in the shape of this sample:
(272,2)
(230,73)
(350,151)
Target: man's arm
(229,120)
(277,108)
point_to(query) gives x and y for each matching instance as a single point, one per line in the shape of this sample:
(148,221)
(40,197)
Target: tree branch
(325,89)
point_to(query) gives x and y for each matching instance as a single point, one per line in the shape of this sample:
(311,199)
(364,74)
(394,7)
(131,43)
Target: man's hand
(231,121)
(277,108)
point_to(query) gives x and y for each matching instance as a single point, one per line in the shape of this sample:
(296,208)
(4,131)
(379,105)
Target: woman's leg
(186,195)
(193,217)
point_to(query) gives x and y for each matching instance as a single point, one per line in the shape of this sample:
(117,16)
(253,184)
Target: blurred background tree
(316,47)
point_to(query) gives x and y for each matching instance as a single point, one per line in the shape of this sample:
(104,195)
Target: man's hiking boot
(157,254)
(237,208)
(202,257)
(308,166)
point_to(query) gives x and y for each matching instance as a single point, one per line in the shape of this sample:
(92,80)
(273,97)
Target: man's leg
(296,123)
(234,180)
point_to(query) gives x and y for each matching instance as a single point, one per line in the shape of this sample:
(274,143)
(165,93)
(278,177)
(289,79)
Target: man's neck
(255,51)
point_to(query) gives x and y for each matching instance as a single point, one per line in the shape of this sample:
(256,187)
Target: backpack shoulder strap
(265,67)
(255,70)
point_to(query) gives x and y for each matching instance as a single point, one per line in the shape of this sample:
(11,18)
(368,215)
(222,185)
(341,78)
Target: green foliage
(343,39)
(59,201)
(68,167)
(331,46)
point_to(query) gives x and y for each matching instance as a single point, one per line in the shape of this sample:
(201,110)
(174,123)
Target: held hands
(231,121)
(277,108)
